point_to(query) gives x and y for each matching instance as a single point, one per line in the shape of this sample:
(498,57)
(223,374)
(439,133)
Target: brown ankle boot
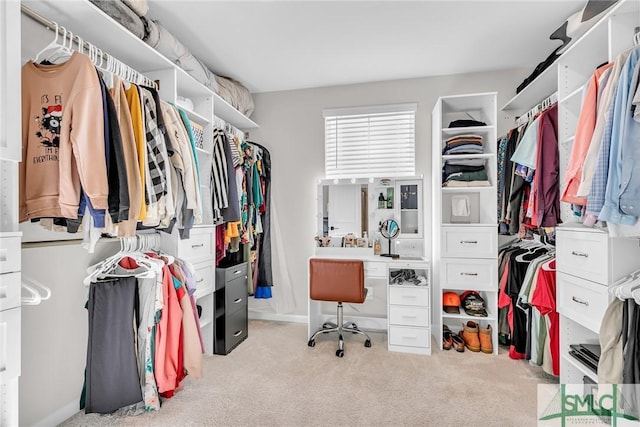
(485,340)
(470,336)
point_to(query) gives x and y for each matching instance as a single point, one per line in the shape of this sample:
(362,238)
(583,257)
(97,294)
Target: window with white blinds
(370,141)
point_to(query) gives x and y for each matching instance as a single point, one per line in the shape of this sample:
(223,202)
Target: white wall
(292,128)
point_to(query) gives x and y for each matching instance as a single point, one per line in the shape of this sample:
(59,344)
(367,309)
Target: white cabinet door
(408,206)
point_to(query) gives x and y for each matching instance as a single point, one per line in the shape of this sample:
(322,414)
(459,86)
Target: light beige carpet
(274,379)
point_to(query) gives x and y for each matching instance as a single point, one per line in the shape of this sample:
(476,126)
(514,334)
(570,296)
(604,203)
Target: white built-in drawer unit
(593,255)
(581,300)
(469,242)
(409,295)
(411,337)
(9,291)
(204,278)
(9,341)
(409,316)
(199,246)
(10,250)
(375,269)
(477,274)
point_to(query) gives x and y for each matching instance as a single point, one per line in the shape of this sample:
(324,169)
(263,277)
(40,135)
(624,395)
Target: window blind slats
(377,144)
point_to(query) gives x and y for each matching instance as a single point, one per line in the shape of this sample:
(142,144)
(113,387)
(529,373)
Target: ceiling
(284,45)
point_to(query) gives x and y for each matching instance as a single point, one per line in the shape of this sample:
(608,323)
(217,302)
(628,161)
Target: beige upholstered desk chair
(338,280)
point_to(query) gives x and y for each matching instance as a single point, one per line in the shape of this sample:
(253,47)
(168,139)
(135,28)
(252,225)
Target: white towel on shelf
(460,205)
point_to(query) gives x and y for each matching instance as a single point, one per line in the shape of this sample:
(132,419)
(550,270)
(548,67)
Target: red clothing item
(544,299)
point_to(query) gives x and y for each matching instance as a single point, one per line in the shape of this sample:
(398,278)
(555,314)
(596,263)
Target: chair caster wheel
(367,343)
(340,353)
(311,343)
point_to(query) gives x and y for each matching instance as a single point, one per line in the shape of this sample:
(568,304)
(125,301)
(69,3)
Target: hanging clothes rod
(115,66)
(543,105)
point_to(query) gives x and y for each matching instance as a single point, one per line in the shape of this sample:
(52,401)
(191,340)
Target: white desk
(408,306)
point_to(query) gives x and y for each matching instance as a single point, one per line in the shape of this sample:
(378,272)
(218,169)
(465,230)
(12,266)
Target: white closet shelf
(576,93)
(198,118)
(468,225)
(189,87)
(205,322)
(467,189)
(467,317)
(468,156)
(465,130)
(229,114)
(580,367)
(543,86)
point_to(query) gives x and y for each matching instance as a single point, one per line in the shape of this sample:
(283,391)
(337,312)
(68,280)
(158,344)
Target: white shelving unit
(465,253)
(568,76)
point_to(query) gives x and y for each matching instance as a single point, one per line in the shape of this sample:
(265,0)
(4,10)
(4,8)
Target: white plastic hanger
(55,44)
(64,51)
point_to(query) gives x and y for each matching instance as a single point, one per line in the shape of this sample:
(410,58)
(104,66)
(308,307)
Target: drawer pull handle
(468,274)
(237,334)
(237,300)
(409,317)
(579,301)
(472,242)
(197,246)
(409,296)
(200,280)
(237,272)
(3,255)
(582,254)
(413,337)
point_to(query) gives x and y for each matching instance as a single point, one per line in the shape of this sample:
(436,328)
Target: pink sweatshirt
(62,139)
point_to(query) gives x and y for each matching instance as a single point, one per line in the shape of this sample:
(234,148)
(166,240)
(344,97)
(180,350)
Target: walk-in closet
(240,213)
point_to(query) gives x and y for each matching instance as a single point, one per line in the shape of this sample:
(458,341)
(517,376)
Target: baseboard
(59,416)
(275,317)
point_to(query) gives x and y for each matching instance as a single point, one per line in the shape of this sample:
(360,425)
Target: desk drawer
(236,329)
(10,251)
(204,277)
(236,295)
(584,254)
(469,242)
(199,247)
(231,273)
(409,295)
(9,344)
(581,300)
(409,316)
(412,337)
(10,291)
(375,269)
(478,274)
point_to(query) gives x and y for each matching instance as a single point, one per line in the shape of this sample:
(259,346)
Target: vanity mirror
(344,209)
(356,207)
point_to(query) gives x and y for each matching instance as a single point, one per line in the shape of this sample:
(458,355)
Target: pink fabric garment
(167,335)
(584,132)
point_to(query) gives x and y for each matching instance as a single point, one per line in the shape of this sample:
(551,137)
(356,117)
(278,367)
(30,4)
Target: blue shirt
(624,133)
